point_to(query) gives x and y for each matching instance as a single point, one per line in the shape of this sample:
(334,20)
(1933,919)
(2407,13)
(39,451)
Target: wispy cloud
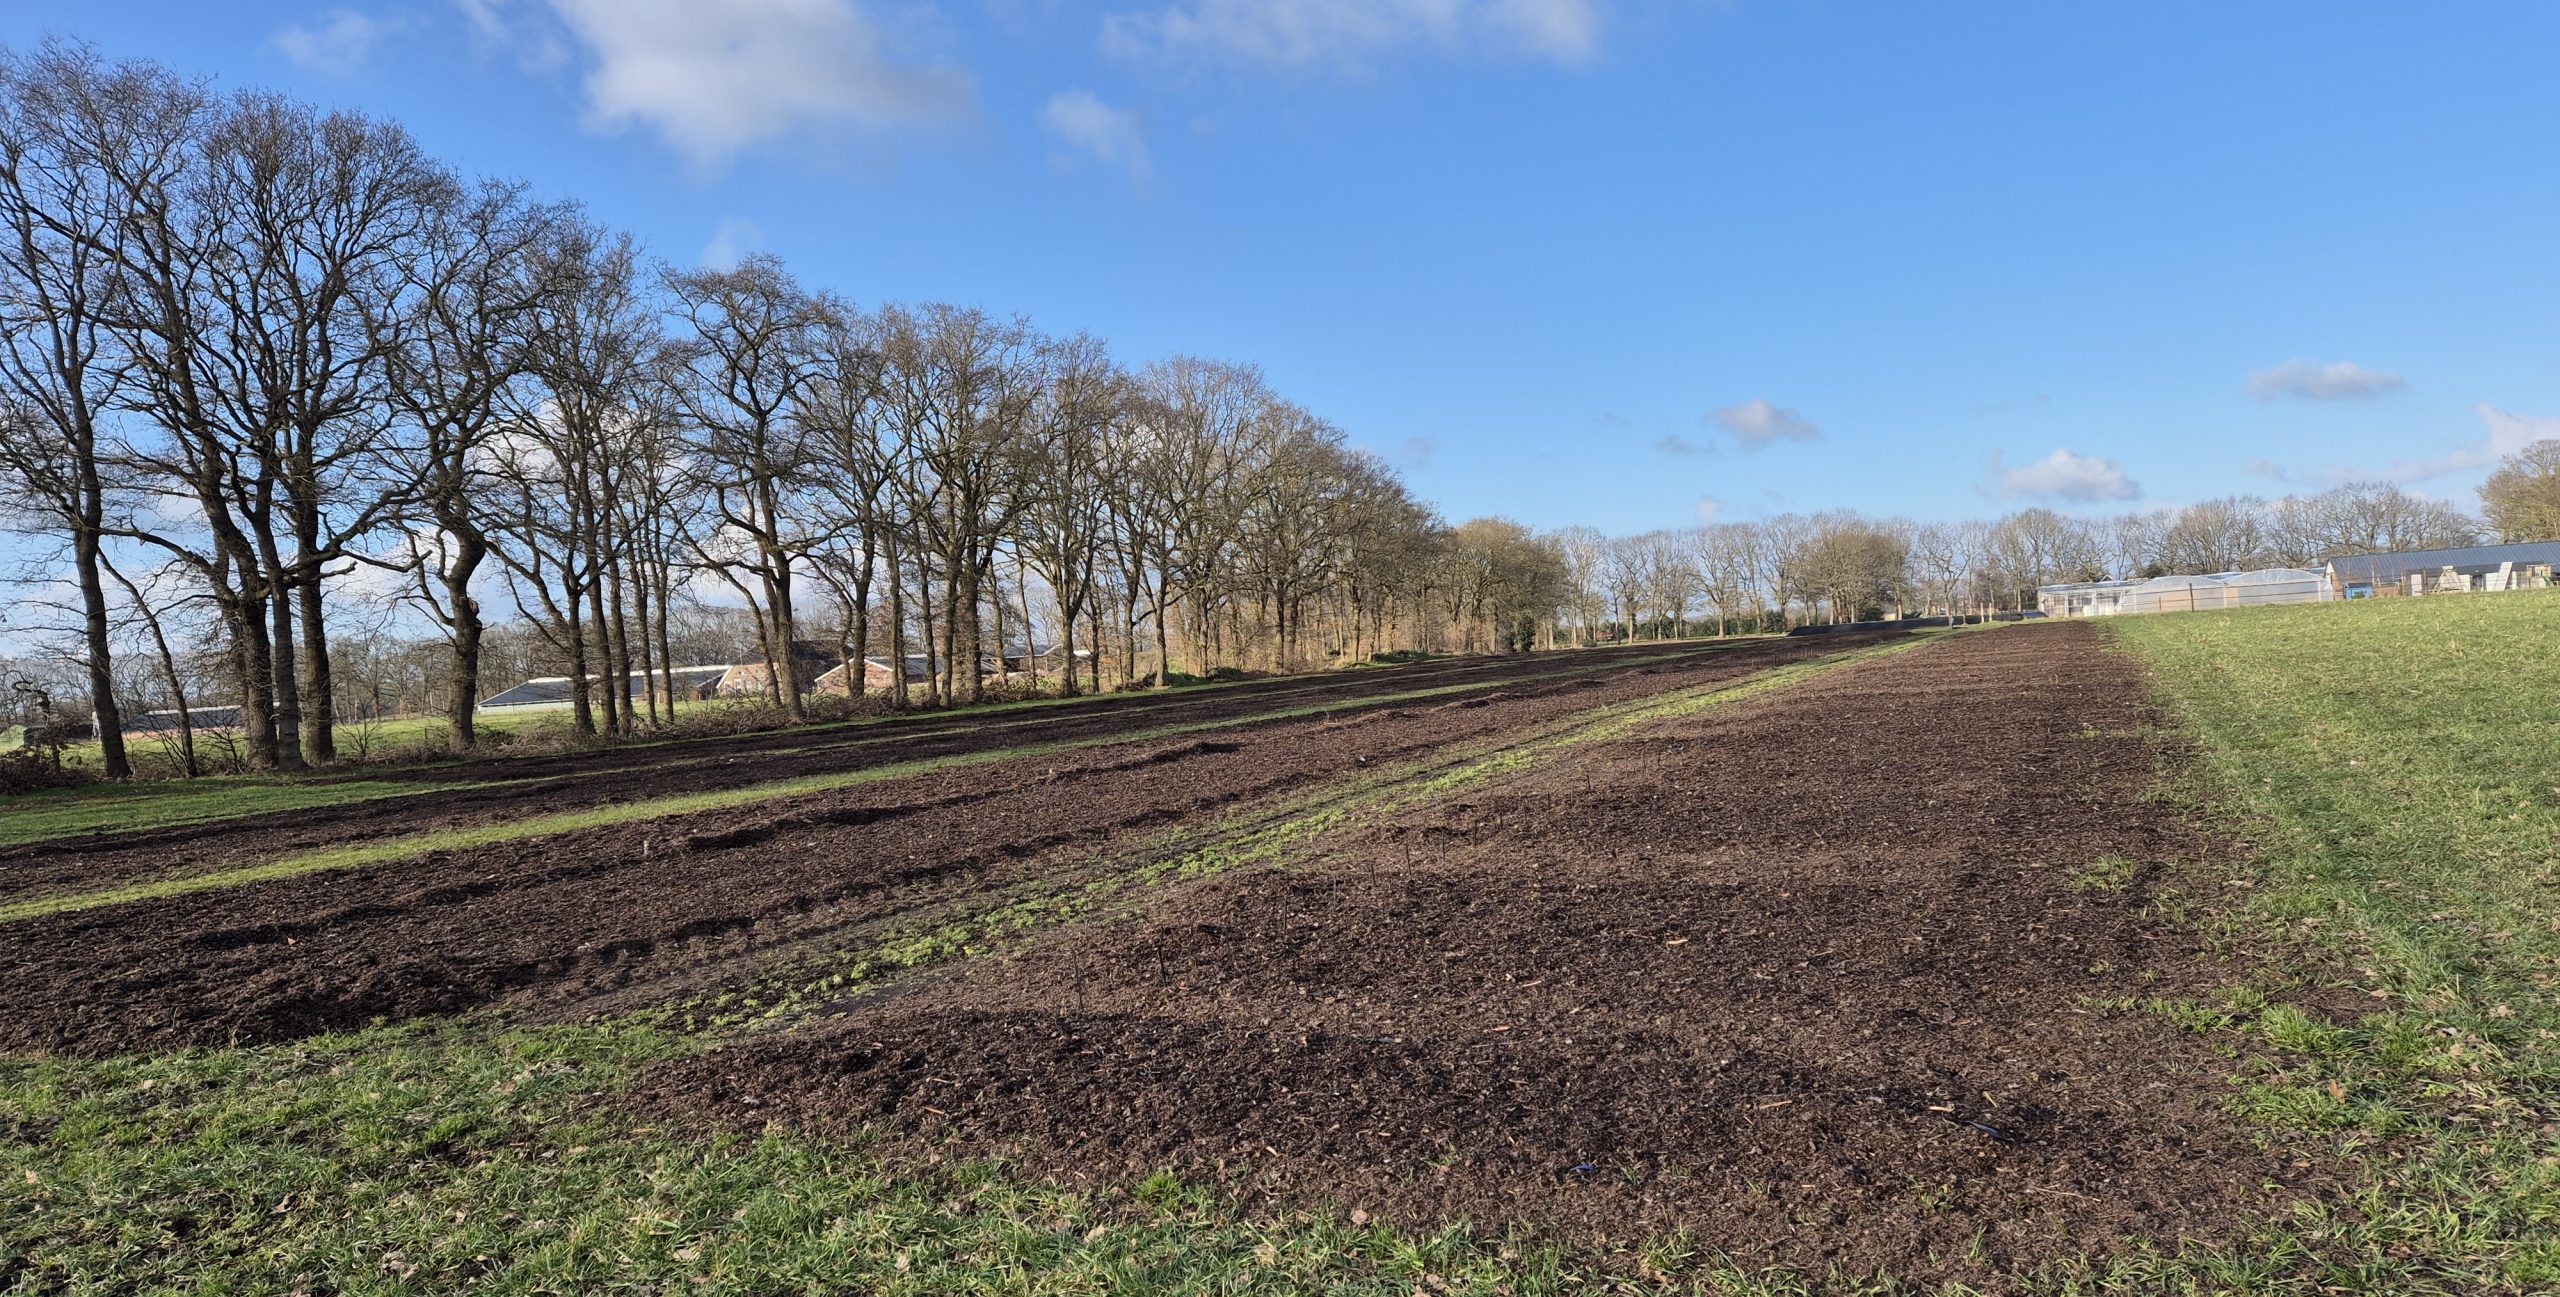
(731,242)
(1709,509)
(714,80)
(2506,433)
(1351,33)
(337,43)
(1110,136)
(2066,475)
(1675,444)
(2312,381)
(496,25)
(1758,423)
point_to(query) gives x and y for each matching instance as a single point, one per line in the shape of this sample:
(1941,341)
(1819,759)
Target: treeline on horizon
(251,347)
(273,379)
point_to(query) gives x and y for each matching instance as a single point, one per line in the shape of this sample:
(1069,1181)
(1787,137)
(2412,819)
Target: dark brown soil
(1807,978)
(568,924)
(474,792)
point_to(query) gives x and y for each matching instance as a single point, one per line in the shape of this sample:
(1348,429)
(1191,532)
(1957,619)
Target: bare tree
(753,341)
(1067,518)
(64,218)
(2522,499)
(461,337)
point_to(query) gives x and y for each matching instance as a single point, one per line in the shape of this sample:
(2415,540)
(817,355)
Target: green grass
(430,1160)
(2396,766)
(92,808)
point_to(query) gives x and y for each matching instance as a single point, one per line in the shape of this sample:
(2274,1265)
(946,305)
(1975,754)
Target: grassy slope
(2396,766)
(423,1158)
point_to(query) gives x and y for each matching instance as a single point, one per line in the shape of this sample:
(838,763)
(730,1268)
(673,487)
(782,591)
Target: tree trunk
(857,681)
(245,616)
(1164,642)
(897,628)
(283,679)
(319,683)
(103,710)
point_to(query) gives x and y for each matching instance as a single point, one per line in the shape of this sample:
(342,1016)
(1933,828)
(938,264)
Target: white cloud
(2508,433)
(1110,135)
(487,17)
(730,243)
(2065,475)
(2312,381)
(1754,424)
(1310,33)
(1709,509)
(336,44)
(535,47)
(717,79)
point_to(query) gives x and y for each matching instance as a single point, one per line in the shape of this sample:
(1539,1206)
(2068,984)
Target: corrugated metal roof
(2384,569)
(553,691)
(165,721)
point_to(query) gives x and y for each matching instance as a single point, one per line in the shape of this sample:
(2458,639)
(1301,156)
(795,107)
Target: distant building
(2183,593)
(1049,659)
(875,675)
(2083,598)
(165,721)
(552,693)
(2443,571)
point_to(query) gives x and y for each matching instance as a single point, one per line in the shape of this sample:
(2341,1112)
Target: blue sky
(1595,261)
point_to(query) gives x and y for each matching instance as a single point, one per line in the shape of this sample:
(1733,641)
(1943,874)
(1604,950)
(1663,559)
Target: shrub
(28,770)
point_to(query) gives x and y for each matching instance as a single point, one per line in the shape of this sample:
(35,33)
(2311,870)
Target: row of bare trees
(1841,566)
(263,361)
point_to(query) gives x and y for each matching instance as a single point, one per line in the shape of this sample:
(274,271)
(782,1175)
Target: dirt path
(552,784)
(1813,979)
(564,925)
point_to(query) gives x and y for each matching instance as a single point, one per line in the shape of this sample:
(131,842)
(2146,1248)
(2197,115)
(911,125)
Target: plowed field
(571,923)
(1825,979)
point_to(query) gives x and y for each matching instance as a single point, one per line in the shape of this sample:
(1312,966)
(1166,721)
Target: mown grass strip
(2395,767)
(70,812)
(412,846)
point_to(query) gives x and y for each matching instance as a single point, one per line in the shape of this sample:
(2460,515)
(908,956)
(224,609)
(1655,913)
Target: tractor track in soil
(570,924)
(501,788)
(1813,979)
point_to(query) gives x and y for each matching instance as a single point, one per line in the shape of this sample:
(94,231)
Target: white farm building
(2183,593)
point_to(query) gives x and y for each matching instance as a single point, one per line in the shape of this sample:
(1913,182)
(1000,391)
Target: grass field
(2396,766)
(2393,766)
